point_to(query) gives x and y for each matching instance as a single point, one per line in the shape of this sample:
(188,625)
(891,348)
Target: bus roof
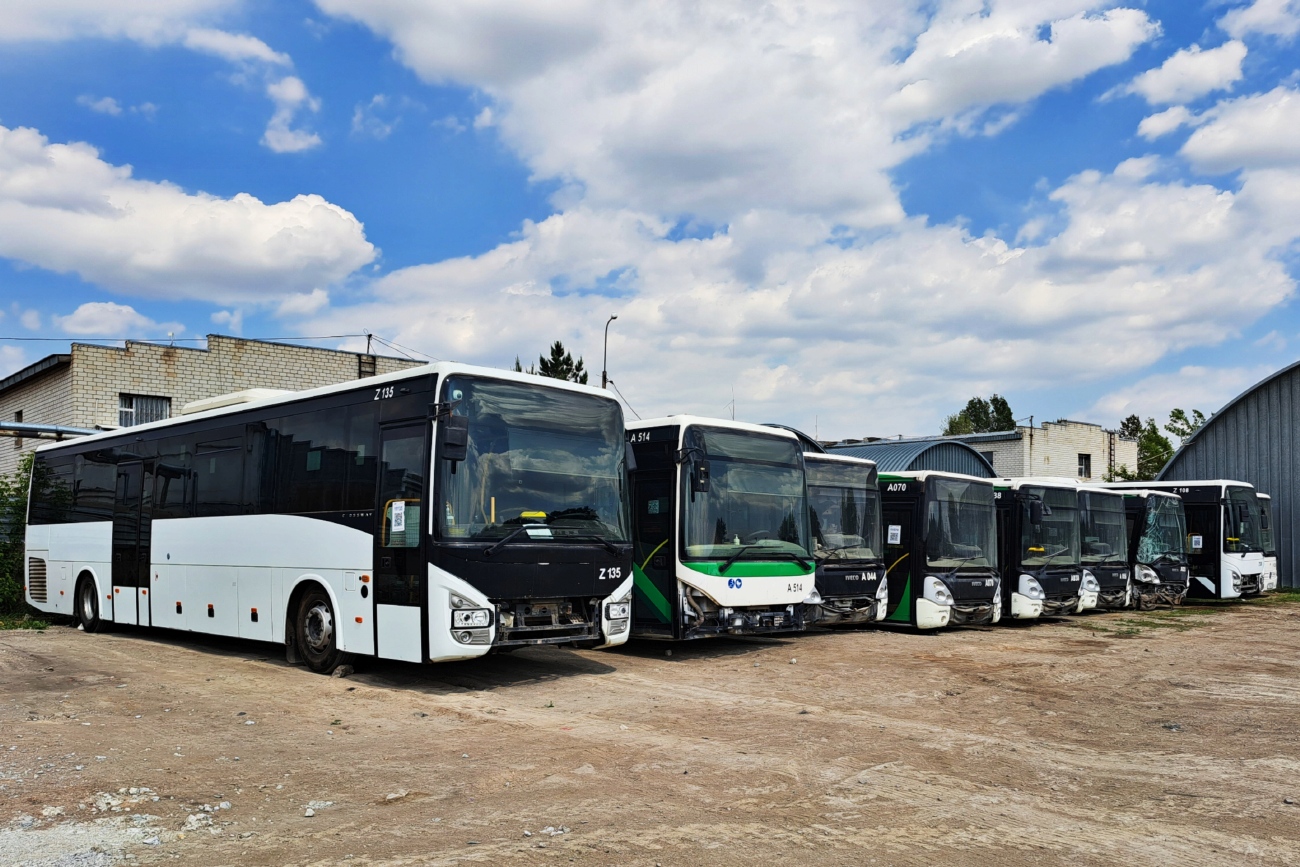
(444,368)
(923,475)
(822,457)
(730,424)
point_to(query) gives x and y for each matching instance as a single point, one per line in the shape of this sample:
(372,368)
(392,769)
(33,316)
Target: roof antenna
(369,336)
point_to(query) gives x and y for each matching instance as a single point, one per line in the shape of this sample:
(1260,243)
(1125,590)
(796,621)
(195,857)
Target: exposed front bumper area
(1113,598)
(1055,606)
(971,613)
(546,621)
(753,620)
(846,611)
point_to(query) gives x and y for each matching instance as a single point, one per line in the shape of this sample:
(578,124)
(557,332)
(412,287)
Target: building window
(133,409)
(1085,466)
(18,440)
(988,456)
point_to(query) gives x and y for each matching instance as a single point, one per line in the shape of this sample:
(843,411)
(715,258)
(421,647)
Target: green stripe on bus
(904,610)
(752,569)
(651,594)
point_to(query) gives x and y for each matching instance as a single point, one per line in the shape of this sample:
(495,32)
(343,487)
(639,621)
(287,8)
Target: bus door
(132,516)
(900,549)
(401,562)
(654,553)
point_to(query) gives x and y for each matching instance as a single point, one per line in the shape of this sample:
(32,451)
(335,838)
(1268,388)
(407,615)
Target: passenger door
(900,548)
(132,515)
(401,562)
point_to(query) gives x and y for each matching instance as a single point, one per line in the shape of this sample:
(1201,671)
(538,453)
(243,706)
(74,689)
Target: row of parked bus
(449,511)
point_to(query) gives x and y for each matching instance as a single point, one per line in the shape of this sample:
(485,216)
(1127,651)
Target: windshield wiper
(963,563)
(577,537)
(492,549)
(789,555)
(592,537)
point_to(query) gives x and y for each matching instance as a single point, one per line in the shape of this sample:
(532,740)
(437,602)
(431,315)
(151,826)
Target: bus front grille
(36,580)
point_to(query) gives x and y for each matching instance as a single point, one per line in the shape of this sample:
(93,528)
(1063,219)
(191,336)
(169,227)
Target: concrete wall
(1054,449)
(87,393)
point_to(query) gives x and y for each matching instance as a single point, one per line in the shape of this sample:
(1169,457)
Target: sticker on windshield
(1197,543)
(399,516)
(895,534)
(538,532)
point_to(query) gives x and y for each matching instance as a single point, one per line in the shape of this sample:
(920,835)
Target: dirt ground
(1153,738)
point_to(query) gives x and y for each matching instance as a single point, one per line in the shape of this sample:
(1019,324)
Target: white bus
(434,514)
(1268,578)
(720,525)
(1225,553)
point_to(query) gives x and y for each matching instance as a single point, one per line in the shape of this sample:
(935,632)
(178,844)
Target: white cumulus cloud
(146,21)
(64,209)
(1279,18)
(1251,132)
(1164,122)
(719,109)
(106,319)
(1190,387)
(100,105)
(1191,73)
(290,97)
(234,47)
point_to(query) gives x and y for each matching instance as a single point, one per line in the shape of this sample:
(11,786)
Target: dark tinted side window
(95,481)
(174,480)
(219,474)
(51,492)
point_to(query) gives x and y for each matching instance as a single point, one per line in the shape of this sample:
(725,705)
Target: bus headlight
(1090,582)
(936,591)
(1236,581)
(1146,575)
(1030,588)
(472,618)
(618,610)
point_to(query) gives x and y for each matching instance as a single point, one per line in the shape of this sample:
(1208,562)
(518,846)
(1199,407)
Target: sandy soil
(1143,739)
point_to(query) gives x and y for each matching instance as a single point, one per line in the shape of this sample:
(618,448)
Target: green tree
(13,534)
(1181,426)
(981,416)
(560,365)
(1154,450)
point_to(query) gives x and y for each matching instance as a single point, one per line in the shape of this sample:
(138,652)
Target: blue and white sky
(846,216)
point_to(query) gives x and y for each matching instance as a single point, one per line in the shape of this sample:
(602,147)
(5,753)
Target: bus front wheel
(318,633)
(88,606)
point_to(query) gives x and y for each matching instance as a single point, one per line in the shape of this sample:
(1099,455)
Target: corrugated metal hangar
(1253,439)
(944,455)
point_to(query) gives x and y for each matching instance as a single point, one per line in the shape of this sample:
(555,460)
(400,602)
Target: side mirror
(700,478)
(453,433)
(1036,512)
(629,458)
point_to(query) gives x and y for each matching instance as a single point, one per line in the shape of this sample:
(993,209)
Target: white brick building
(108,386)
(1058,448)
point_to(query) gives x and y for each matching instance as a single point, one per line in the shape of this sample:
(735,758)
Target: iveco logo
(733,583)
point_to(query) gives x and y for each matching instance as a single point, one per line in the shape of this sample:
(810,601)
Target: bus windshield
(1056,540)
(960,524)
(1241,521)
(1165,533)
(1266,527)
(543,458)
(1103,527)
(844,507)
(756,504)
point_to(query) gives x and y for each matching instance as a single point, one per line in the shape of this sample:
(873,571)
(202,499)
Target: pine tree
(560,365)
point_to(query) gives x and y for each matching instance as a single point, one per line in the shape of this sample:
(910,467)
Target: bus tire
(317,632)
(88,605)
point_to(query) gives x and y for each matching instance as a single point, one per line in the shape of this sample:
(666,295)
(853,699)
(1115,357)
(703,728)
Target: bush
(13,534)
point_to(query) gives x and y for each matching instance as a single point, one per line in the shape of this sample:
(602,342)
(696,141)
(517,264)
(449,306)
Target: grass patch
(1280,596)
(1175,624)
(22,621)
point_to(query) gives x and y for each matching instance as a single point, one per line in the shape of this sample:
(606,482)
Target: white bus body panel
(442,646)
(759,591)
(68,551)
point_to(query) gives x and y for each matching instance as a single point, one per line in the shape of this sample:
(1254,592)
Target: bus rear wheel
(88,606)
(318,633)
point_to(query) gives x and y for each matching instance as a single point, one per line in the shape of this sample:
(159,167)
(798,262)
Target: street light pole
(604,375)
